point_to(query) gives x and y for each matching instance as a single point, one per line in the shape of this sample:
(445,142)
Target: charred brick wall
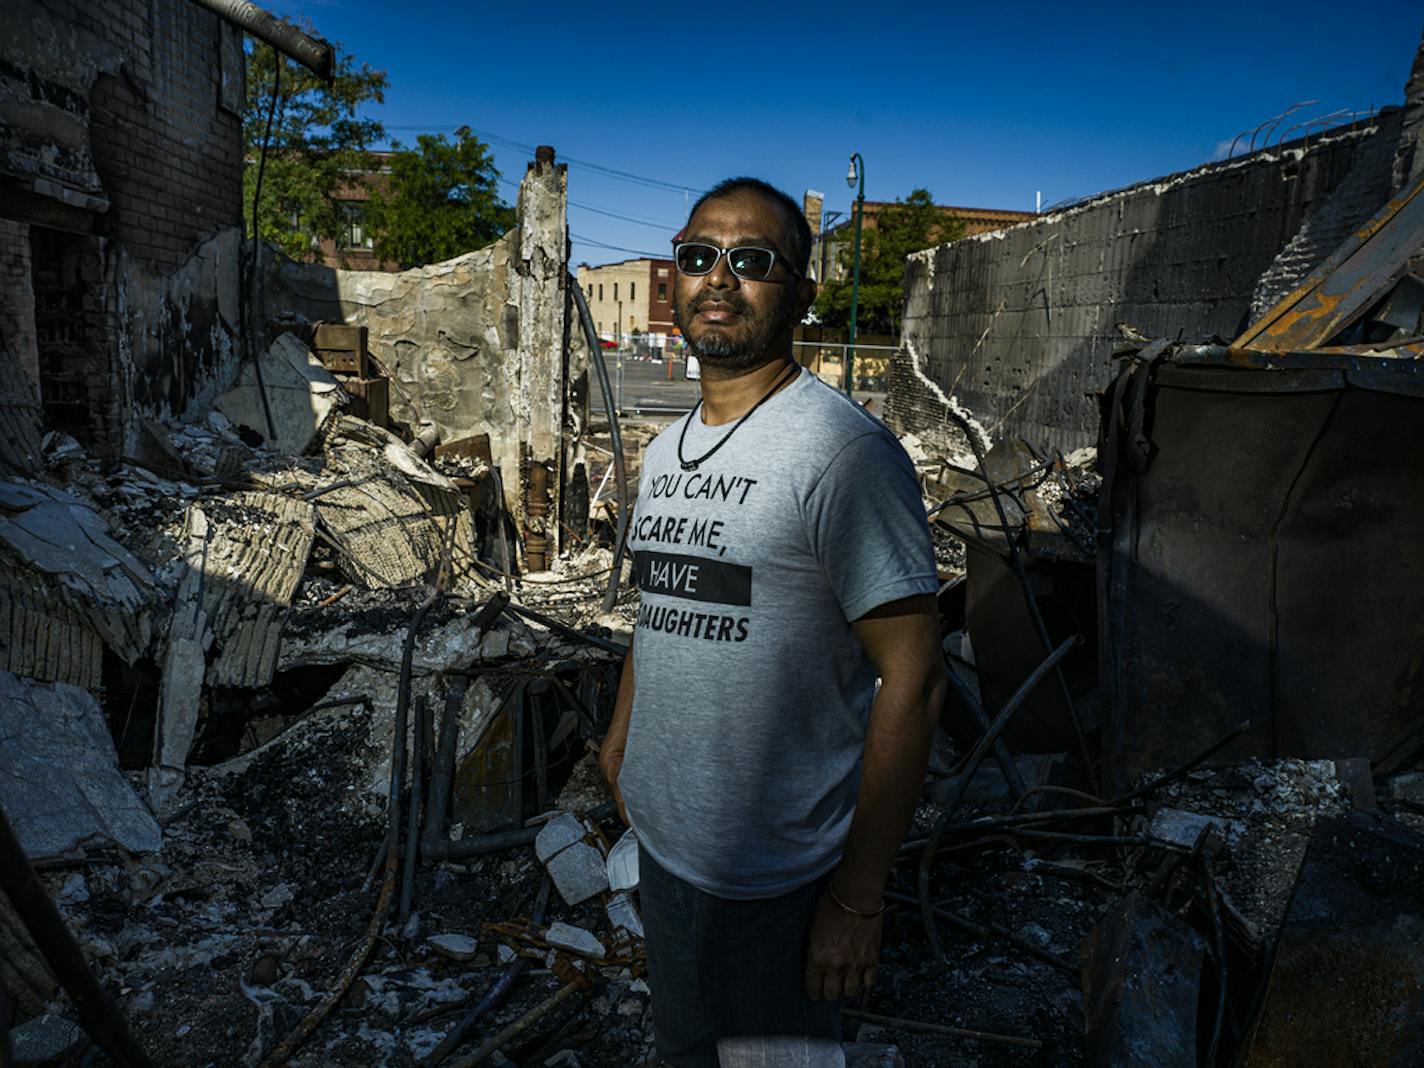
(121,165)
(1019,325)
(134,115)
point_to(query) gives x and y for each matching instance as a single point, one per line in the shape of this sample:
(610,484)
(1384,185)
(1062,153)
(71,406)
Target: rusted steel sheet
(1352,278)
(1259,559)
(1349,967)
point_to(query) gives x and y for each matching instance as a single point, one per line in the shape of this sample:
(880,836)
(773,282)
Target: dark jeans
(723,969)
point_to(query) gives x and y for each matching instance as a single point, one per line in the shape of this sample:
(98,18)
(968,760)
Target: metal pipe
(496,993)
(311,52)
(98,1013)
(610,409)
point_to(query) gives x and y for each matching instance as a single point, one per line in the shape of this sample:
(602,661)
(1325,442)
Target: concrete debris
(457,947)
(575,939)
(578,868)
(300,395)
(49,726)
(67,588)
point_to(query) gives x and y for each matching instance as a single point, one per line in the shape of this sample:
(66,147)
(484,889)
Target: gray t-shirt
(752,691)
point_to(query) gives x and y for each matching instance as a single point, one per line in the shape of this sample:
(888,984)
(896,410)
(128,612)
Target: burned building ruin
(314,599)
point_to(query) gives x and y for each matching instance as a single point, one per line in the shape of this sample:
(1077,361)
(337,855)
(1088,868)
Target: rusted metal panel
(1141,980)
(1350,280)
(489,790)
(1345,987)
(1258,562)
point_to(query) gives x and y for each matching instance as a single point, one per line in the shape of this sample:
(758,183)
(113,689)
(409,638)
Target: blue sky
(984,105)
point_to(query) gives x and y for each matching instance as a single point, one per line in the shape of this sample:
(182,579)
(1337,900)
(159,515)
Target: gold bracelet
(854,912)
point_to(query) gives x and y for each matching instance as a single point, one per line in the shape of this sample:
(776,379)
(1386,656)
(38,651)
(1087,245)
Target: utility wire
(619,248)
(664,226)
(612,172)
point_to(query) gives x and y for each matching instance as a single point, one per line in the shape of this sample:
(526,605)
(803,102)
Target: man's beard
(747,347)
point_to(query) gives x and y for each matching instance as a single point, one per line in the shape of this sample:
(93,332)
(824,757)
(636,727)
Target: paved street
(647,391)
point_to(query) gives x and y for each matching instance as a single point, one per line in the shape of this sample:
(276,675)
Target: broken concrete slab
(578,868)
(457,947)
(301,395)
(567,936)
(67,588)
(1141,980)
(46,727)
(1349,966)
(557,835)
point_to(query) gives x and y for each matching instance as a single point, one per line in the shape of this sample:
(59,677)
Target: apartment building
(633,296)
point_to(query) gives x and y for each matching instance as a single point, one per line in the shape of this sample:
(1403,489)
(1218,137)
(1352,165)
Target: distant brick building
(120,210)
(634,296)
(353,248)
(825,249)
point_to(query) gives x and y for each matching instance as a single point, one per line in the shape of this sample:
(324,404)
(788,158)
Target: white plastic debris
(623,863)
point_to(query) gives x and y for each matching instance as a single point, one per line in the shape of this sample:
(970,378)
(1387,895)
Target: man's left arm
(901,639)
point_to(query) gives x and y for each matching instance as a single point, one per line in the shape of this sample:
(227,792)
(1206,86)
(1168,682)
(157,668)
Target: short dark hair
(799,229)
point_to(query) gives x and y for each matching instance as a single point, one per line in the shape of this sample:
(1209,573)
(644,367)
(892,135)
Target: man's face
(735,323)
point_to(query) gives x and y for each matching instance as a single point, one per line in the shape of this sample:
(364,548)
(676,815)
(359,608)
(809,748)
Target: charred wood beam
(98,1014)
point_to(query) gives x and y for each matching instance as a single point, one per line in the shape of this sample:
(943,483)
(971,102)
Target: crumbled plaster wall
(474,344)
(179,342)
(1018,326)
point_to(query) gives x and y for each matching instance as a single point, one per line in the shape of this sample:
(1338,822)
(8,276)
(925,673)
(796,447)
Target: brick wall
(166,150)
(1019,326)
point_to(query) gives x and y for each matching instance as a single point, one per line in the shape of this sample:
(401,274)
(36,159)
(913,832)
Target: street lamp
(854,174)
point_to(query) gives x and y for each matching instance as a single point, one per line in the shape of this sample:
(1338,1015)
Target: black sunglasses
(745,261)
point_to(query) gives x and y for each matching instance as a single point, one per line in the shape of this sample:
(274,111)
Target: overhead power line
(599,168)
(664,226)
(619,248)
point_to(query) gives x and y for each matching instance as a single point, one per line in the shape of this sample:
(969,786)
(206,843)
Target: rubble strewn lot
(299,705)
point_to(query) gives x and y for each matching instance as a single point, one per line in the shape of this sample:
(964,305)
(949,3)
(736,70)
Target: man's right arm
(610,753)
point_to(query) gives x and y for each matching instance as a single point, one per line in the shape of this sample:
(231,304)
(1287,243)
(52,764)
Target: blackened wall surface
(1019,325)
(121,168)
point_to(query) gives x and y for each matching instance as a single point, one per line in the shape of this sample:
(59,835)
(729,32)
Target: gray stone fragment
(557,835)
(579,873)
(44,1038)
(457,947)
(49,726)
(566,936)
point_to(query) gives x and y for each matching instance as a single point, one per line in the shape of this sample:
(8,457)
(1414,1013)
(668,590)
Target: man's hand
(843,953)
(610,762)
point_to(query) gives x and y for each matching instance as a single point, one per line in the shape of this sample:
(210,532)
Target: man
(784,563)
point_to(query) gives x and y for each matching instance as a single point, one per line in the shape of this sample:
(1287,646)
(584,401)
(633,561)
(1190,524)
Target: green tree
(906,226)
(439,200)
(317,142)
